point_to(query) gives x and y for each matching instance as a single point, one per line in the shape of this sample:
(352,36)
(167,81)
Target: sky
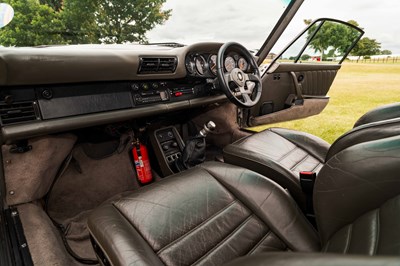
(250,21)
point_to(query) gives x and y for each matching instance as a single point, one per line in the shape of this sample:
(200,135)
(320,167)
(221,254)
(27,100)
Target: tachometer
(201,65)
(229,63)
(242,64)
(212,63)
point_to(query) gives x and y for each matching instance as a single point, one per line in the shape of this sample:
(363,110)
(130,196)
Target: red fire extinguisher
(142,163)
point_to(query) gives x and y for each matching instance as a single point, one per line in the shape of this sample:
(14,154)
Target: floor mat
(85,184)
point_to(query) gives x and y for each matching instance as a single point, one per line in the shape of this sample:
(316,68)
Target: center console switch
(168,146)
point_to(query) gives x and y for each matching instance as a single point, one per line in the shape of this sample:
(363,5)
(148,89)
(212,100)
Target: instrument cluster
(205,64)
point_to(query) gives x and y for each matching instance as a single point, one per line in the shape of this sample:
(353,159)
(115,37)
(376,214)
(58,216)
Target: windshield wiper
(168,44)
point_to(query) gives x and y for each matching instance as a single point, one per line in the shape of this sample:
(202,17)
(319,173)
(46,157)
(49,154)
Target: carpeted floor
(86,183)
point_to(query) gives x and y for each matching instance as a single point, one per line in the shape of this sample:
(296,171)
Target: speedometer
(201,65)
(229,63)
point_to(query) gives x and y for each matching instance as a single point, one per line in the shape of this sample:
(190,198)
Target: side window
(323,41)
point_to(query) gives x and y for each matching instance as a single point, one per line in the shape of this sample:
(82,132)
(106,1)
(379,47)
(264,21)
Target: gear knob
(207,128)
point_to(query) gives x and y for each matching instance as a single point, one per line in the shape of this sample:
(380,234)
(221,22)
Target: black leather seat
(216,212)
(281,153)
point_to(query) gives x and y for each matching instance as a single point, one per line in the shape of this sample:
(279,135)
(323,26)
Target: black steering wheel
(242,89)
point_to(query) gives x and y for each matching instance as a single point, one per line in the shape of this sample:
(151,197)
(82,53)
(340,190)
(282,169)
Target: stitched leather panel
(270,242)
(375,233)
(237,244)
(194,244)
(317,83)
(177,208)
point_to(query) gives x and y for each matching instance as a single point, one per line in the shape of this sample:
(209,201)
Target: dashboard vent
(149,65)
(17,112)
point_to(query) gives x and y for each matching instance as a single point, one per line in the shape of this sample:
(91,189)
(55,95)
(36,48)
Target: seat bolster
(363,133)
(380,113)
(270,202)
(317,147)
(313,259)
(355,181)
(118,239)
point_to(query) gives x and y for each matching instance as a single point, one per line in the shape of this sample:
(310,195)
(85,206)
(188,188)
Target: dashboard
(45,90)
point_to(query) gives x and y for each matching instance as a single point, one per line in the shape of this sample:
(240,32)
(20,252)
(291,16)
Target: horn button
(238,76)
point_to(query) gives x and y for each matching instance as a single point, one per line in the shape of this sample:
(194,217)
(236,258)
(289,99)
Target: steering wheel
(242,89)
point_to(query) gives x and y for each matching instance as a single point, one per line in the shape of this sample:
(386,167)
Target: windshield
(55,22)
(247,22)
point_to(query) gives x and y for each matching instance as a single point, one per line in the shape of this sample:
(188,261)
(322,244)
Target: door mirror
(324,40)
(6,14)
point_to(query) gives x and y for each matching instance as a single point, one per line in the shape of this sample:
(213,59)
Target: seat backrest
(380,113)
(363,133)
(357,199)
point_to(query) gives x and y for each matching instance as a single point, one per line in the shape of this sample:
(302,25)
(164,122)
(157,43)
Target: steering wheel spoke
(253,78)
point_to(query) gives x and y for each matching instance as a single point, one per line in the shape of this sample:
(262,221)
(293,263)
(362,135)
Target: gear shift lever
(207,128)
(194,152)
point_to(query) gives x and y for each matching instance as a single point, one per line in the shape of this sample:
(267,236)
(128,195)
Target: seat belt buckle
(307,180)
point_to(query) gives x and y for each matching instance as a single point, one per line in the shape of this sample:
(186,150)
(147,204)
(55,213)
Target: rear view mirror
(6,14)
(324,40)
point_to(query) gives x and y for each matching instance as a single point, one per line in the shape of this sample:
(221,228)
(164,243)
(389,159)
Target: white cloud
(249,22)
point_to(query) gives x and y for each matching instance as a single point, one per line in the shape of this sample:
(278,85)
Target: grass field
(358,87)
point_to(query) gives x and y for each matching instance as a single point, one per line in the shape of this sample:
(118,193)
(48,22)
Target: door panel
(286,97)
(296,83)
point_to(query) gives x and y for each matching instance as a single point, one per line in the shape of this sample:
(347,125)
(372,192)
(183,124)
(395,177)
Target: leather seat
(216,212)
(281,153)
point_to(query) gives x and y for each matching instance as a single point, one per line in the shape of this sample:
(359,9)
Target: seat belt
(307,180)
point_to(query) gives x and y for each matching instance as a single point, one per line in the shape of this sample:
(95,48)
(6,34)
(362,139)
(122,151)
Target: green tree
(386,52)
(122,21)
(366,47)
(79,18)
(38,22)
(55,4)
(33,24)
(336,37)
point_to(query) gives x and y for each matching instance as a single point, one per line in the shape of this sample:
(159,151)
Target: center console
(168,147)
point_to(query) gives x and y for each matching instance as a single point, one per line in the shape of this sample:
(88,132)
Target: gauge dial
(242,64)
(189,64)
(212,63)
(201,65)
(229,63)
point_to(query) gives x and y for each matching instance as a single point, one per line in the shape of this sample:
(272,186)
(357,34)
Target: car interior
(144,155)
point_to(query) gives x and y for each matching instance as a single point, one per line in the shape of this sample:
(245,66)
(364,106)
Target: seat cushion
(280,154)
(209,214)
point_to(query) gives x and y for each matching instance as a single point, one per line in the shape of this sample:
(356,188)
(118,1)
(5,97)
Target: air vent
(17,112)
(149,65)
